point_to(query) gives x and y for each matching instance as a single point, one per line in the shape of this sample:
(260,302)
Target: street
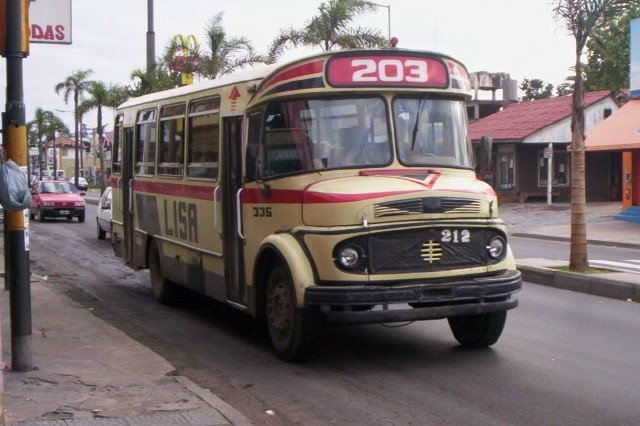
(564,358)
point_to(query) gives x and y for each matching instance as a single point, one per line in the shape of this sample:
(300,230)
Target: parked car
(56,199)
(83,185)
(103,218)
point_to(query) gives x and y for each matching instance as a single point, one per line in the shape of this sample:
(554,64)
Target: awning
(621,131)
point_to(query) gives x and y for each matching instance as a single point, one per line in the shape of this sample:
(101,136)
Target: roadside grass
(587,272)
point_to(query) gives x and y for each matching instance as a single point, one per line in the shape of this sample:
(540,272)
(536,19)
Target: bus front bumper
(363,304)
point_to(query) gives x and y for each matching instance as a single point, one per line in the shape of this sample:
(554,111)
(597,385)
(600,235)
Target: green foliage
(157,79)
(535,89)
(608,52)
(330,29)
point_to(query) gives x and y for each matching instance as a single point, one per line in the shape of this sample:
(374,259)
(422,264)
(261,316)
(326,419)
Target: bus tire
(478,331)
(292,330)
(162,288)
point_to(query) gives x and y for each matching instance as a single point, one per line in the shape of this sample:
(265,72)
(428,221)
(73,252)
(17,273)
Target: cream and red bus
(338,188)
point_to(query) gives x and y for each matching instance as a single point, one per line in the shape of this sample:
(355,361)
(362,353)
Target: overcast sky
(519,37)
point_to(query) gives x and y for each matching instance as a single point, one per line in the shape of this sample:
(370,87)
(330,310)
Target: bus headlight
(496,247)
(348,257)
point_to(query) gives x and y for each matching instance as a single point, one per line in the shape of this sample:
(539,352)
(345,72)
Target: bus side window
(253,160)
(146,143)
(203,145)
(117,145)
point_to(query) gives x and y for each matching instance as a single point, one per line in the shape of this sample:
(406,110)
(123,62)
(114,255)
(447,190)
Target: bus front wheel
(162,288)
(478,331)
(292,330)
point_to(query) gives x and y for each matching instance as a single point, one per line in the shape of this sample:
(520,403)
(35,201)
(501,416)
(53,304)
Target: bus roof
(256,73)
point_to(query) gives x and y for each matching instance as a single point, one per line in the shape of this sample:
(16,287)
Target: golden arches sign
(185,57)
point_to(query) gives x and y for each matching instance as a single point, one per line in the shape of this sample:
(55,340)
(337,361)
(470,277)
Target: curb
(568,240)
(215,402)
(596,285)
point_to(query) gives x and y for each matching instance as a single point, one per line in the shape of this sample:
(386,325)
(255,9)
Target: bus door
(232,216)
(127,182)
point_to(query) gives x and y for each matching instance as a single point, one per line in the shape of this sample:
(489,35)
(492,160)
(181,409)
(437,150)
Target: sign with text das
(50,21)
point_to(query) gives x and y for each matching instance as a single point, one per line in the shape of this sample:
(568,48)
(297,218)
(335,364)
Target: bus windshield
(318,134)
(431,132)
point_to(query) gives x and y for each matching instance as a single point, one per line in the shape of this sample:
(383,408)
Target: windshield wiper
(415,127)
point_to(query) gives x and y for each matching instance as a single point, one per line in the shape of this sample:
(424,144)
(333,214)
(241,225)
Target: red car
(56,199)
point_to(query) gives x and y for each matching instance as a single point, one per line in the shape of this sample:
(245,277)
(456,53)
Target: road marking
(617,266)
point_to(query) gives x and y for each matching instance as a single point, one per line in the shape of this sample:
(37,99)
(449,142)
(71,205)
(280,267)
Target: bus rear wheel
(163,289)
(292,330)
(478,331)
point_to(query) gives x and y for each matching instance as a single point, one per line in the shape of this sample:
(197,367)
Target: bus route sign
(386,70)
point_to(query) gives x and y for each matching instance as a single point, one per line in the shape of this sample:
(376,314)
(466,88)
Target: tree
(77,84)
(101,97)
(157,79)
(535,89)
(582,18)
(41,128)
(608,52)
(224,54)
(330,29)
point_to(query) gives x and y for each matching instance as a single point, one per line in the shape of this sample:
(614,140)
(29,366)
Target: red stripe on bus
(299,71)
(175,189)
(292,196)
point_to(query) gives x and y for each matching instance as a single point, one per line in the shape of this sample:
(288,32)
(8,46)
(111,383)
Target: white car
(83,185)
(103,218)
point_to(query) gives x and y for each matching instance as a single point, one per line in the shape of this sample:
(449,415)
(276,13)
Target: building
(64,150)
(521,132)
(620,135)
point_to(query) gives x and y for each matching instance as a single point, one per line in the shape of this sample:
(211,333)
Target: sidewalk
(90,373)
(537,220)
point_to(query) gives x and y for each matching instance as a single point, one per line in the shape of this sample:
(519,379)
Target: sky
(110,38)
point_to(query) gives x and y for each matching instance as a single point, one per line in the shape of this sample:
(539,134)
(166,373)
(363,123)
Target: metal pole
(151,38)
(550,175)
(16,238)
(389,18)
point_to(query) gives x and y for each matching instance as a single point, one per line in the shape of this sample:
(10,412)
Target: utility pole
(16,239)
(151,38)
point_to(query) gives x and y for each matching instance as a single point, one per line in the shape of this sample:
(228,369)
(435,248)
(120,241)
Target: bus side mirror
(483,162)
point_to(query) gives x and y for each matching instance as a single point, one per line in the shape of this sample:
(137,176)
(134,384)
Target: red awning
(621,131)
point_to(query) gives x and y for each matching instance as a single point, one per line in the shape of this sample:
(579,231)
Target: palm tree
(154,80)
(582,18)
(77,84)
(330,29)
(224,54)
(44,125)
(101,97)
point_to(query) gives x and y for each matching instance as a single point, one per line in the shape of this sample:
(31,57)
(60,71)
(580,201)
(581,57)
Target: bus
(337,188)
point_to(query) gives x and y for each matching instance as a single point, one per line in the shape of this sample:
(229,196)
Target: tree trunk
(578,259)
(76,165)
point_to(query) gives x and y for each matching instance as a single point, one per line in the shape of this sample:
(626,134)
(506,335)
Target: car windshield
(431,132)
(311,135)
(56,188)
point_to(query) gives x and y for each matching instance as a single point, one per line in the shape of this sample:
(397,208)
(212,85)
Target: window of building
(561,167)
(117,145)
(146,143)
(505,170)
(204,138)
(171,149)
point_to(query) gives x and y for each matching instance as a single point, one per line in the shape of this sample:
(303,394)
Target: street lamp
(388,7)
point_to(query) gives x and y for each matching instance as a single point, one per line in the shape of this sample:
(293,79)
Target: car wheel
(163,289)
(32,216)
(478,331)
(81,217)
(101,232)
(292,330)
(41,216)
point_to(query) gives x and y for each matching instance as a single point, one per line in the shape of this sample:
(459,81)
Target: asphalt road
(564,358)
(623,259)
